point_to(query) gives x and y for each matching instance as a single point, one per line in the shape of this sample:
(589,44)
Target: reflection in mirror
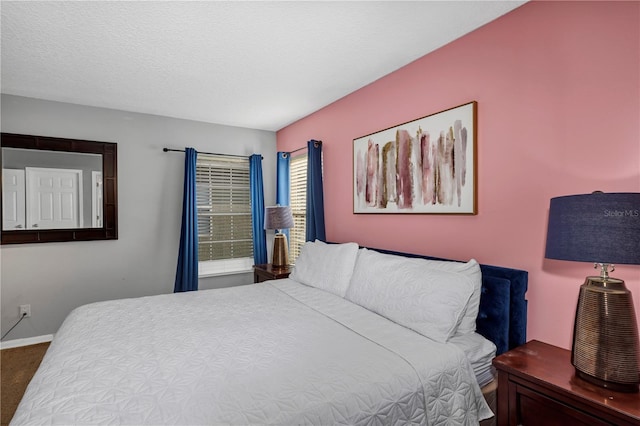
(51,189)
(56,189)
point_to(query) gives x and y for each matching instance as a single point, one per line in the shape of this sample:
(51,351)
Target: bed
(354,336)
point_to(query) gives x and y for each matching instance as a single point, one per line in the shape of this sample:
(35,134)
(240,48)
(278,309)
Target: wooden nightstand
(267,271)
(537,385)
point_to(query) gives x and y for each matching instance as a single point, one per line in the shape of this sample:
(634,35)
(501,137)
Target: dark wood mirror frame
(109,152)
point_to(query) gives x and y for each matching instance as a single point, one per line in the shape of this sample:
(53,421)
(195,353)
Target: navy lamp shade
(278,218)
(598,227)
(602,228)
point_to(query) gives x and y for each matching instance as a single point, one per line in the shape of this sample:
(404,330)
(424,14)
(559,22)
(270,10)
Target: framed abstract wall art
(423,166)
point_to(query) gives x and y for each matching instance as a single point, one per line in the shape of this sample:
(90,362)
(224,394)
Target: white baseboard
(26,341)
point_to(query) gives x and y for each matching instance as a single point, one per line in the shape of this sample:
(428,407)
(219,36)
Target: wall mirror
(56,189)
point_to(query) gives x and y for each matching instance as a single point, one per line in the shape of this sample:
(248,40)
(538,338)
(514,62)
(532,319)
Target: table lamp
(602,228)
(279,218)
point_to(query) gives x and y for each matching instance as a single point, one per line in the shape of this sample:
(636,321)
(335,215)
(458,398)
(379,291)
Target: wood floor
(17,367)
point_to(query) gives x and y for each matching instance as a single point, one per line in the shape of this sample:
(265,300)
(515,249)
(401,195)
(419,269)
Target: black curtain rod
(304,147)
(206,153)
(296,150)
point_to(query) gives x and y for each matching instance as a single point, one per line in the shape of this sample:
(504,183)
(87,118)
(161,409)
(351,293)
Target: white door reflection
(96,199)
(54,198)
(13,199)
(57,190)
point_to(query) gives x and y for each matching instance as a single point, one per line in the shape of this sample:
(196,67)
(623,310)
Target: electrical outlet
(25,309)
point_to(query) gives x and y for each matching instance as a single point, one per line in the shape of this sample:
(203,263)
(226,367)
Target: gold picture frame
(427,166)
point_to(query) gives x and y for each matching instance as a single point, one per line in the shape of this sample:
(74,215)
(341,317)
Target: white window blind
(298,182)
(224,208)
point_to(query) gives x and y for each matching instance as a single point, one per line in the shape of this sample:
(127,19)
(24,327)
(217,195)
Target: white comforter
(270,353)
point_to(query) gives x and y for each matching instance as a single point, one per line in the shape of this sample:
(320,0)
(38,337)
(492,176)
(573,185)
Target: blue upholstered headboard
(503,307)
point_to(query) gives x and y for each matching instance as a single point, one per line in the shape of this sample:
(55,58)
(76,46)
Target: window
(225,240)
(298,182)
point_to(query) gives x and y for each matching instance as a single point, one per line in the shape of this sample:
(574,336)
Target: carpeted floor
(17,367)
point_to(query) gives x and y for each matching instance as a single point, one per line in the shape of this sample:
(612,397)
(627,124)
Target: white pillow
(427,300)
(326,266)
(472,270)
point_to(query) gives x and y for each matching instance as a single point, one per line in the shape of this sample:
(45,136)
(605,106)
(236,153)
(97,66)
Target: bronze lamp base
(605,335)
(280,250)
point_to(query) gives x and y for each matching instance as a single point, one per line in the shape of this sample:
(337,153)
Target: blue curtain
(257,210)
(187,270)
(315,199)
(283,183)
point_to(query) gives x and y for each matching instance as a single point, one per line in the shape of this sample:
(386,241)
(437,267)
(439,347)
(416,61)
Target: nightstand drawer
(534,408)
(537,385)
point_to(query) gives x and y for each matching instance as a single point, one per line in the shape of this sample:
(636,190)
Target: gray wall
(55,278)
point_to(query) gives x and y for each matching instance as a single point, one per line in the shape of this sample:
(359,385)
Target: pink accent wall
(558,92)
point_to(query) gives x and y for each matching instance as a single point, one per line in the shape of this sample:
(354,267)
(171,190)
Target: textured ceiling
(260,65)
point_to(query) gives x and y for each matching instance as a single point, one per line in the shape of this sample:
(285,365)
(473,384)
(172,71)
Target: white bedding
(272,353)
(480,353)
